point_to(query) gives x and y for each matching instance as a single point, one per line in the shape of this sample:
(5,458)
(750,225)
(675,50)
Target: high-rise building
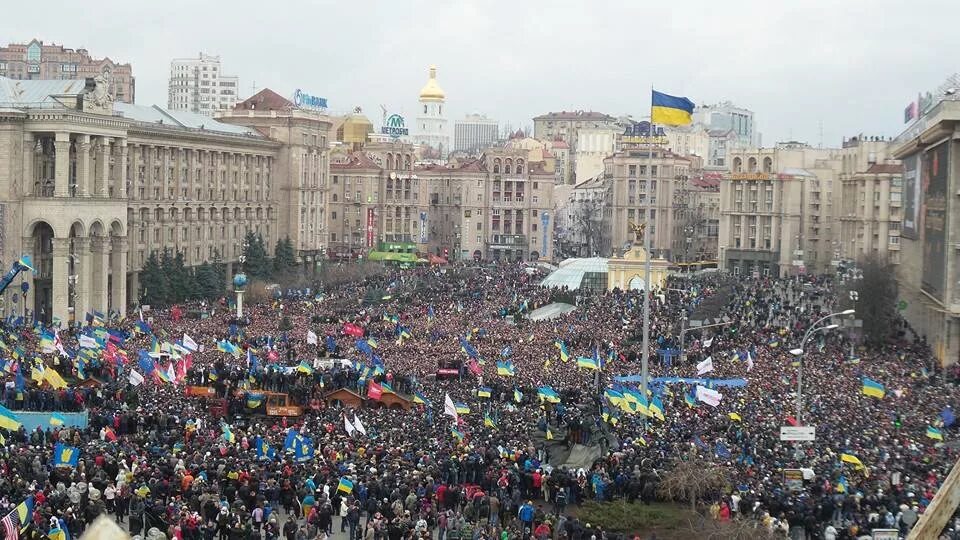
(198,85)
(778,210)
(474,133)
(90,197)
(929,271)
(39,61)
(725,116)
(431,128)
(593,146)
(498,207)
(627,175)
(565,126)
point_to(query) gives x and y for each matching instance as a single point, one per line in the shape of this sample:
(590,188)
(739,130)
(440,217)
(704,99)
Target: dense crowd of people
(153,457)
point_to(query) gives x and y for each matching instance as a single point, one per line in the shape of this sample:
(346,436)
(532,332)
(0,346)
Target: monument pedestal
(627,272)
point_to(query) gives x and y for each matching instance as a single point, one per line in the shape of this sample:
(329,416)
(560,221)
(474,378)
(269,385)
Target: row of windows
(174,234)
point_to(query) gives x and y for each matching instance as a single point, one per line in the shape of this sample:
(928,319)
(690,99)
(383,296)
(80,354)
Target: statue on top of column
(637,230)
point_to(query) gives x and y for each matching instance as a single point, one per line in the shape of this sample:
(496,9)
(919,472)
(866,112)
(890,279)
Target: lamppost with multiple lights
(799,352)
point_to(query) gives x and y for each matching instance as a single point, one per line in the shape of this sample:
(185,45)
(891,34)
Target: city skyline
(799,83)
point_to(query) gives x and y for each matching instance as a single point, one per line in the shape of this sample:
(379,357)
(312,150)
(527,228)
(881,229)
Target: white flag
(749,361)
(311,338)
(348,426)
(135,378)
(706,366)
(171,374)
(189,343)
(449,408)
(87,342)
(707,343)
(708,396)
(358,425)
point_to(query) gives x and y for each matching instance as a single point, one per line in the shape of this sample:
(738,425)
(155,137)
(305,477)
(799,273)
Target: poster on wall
(934,211)
(911,197)
(371,222)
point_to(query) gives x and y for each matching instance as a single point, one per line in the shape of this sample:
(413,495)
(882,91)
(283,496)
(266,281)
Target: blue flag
(331,343)
(146,363)
(722,451)
(65,456)
(948,417)
(364,347)
(264,450)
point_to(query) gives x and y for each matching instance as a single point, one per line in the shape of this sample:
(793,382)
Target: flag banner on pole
(670,110)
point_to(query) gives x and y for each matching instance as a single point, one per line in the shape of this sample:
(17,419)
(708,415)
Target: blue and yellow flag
(304,367)
(345,485)
(615,397)
(934,433)
(548,394)
(562,347)
(462,408)
(420,398)
(670,110)
(264,450)
(656,409)
(254,400)
(517,396)
(457,434)
(57,419)
(65,456)
(505,368)
(56,534)
(468,349)
(488,421)
(587,363)
(227,433)
(872,388)
(484,392)
(8,420)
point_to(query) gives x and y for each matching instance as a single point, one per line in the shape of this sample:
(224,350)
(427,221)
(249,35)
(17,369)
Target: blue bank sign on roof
(305,101)
(395,127)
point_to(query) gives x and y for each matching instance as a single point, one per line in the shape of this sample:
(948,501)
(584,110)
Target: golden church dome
(432,90)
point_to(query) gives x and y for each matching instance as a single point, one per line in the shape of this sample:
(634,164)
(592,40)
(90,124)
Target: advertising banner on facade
(371,223)
(934,183)
(911,197)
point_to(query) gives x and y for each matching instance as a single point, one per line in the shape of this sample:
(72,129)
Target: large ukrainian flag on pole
(670,110)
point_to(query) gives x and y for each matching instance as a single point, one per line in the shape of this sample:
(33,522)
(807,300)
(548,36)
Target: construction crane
(19,265)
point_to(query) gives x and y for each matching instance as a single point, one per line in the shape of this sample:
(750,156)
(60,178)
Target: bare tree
(708,529)
(692,478)
(588,224)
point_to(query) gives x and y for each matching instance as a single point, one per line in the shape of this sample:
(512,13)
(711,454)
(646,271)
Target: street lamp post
(800,352)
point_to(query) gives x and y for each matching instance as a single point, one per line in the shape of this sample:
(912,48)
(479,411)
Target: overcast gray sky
(852,65)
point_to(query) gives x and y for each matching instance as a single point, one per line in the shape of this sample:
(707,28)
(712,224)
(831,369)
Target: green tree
(208,283)
(256,263)
(874,296)
(182,283)
(284,258)
(154,285)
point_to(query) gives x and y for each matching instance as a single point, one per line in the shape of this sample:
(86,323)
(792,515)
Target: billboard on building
(934,184)
(911,197)
(371,223)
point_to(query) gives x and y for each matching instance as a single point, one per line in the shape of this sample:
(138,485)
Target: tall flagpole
(645,358)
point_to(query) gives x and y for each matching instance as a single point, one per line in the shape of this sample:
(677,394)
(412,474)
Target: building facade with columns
(89,188)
